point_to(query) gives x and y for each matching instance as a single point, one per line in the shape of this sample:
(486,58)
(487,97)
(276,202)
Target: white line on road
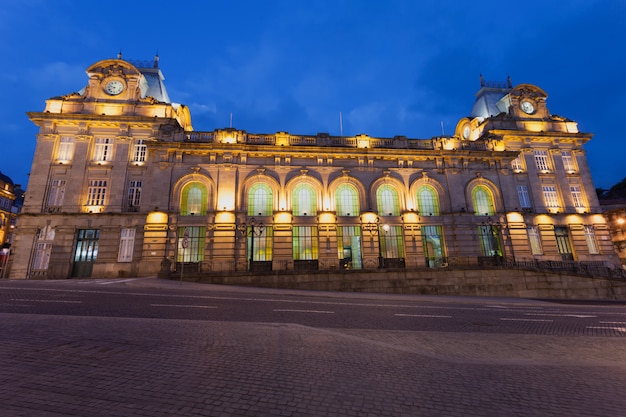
(619,329)
(47,301)
(422,315)
(304,311)
(578,316)
(505,319)
(613,322)
(181,306)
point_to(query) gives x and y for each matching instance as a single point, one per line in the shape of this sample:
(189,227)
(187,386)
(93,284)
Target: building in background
(11,200)
(121,185)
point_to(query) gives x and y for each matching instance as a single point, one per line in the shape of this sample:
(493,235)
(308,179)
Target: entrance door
(86,252)
(563,243)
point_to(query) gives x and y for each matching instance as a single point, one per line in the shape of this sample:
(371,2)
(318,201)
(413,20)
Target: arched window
(483,201)
(193,200)
(304,201)
(260,201)
(387,201)
(427,201)
(347,200)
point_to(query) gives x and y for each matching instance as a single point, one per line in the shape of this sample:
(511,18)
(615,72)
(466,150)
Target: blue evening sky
(391,67)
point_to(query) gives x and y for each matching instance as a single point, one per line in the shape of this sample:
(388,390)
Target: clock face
(466,132)
(114,87)
(527,107)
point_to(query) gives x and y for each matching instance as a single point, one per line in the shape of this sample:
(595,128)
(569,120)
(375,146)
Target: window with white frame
(139,150)
(592,243)
(534,238)
(104,150)
(577,196)
(66,149)
(134,193)
(42,256)
(524,197)
(96,194)
(57,191)
(541,159)
(550,197)
(127,244)
(517,165)
(568,161)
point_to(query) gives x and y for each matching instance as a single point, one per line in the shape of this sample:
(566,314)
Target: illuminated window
(104,150)
(261,242)
(347,200)
(391,242)
(127,243)
(577,196)
(305,243)
(193,200)
(427,201)
(483,201)
(190,247)
(592,243)
(550,197)
(304,200)
(432,245)
(86,245)
(517,165)
(260,200)
(139,150)
(534,238)
(489,237)
(57,192)
(524,197)
(541,160)
(97,192)
(387,201)
(134,193)
(66,149)
(349,247)
(568,161)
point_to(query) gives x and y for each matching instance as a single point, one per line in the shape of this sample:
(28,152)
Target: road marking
(181,306)
(304,311)
(619,329)
(422,315)
(47,301)
(578,316)
(505,319)
(613,322)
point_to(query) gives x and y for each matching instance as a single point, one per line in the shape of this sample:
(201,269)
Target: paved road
(148,347)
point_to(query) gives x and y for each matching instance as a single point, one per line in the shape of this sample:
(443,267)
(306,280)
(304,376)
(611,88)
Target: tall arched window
(427,201)
(304,201)
(260,201)
(347,200)
(193,200)
(387,201)
(483,201)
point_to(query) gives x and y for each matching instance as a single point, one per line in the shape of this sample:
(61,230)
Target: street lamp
(250,228)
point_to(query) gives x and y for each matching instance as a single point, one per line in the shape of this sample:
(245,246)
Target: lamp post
(372,228)
(250,228)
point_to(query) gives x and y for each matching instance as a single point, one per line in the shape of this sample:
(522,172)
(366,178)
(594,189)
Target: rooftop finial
(119,54)
(508,81)
(156,60)
(482,81)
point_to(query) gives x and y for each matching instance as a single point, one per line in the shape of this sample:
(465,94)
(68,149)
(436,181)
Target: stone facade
(121,185)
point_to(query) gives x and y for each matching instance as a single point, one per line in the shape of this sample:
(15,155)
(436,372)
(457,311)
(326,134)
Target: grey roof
(486,102)
(154,77)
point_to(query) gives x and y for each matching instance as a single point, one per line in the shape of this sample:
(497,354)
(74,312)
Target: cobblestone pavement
(52,366)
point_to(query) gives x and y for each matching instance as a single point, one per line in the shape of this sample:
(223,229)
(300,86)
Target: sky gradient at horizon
(390,68)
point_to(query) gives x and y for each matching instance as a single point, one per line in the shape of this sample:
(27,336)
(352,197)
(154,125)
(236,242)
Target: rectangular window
(305,243)
(259,243)
(516,164)
(391,242)
(534,238)
(42,256)
(489,237)
(541,159)
(66,149)
(568,161)
(134,193)
(127,244)
(524,197)
(104,149)
(349,247)
(57,192)
(191,244)
(550,196)
(590,237)
(432,244)
(96,195)
(577,196)
(139,151)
